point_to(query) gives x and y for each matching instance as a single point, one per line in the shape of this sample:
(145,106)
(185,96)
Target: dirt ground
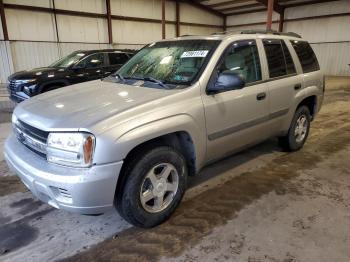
(259,205)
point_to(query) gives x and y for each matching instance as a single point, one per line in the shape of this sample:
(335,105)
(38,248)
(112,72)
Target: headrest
(235,62)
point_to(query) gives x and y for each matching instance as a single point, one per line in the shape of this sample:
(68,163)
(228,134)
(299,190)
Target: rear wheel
(298,131)
(154,186)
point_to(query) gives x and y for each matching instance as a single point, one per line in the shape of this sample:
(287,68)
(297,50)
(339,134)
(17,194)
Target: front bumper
(80,190)
(15,95)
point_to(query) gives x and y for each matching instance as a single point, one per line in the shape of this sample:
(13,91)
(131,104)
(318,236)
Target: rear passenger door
(283,80)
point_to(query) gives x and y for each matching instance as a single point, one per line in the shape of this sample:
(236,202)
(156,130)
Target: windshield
(169,62)
(68,60)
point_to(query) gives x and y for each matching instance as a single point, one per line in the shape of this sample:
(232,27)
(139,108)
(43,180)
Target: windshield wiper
(151,79)
(147,78)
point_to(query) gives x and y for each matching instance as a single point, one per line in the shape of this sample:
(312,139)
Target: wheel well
(180,141)
(310,102)
(47,86)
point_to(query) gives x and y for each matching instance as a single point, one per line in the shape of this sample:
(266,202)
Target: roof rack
(258,31)
(273,32)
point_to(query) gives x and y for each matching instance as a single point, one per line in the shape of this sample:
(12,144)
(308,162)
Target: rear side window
(306,56)
(279,60)
(117,58)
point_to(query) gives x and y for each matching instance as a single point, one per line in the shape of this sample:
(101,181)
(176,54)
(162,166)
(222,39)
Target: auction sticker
(198,53)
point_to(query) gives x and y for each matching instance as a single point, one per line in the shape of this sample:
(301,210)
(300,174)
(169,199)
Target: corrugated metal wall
(5,61)
(330,37)
(36,37)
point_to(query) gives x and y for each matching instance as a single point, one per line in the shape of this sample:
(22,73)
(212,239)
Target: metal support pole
(269,14)
(163,19)
(280,25)
(177,10)
(3,21)
(109,21)
(224,27)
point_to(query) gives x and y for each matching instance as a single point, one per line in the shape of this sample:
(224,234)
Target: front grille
(33,131)
(33,138)
(12,86)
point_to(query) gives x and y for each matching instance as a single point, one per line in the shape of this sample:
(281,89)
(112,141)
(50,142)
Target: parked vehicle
(79,66)
(132,140)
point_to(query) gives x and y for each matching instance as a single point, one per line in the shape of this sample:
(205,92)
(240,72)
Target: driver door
(90,68)
(237,118)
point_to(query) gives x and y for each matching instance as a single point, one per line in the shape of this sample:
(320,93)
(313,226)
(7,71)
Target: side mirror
(227,81)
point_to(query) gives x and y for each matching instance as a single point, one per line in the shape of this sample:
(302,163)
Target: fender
(60,82)
(151,130)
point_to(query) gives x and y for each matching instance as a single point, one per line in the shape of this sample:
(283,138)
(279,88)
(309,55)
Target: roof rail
(273,32)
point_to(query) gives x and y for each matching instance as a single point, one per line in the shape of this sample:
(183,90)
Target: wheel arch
(46,85)
(181,141)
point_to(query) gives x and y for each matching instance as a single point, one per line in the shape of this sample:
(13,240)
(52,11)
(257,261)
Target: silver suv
(131,140)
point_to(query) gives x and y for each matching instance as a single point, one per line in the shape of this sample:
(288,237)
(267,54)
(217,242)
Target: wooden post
(163,19)
(177,10)
(280,25)
(3,21)
(109,21)
(269,15)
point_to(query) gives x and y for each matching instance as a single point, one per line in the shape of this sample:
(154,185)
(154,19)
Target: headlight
(14,119)
(29,89)
(71,149)
(14,122)
(25,81)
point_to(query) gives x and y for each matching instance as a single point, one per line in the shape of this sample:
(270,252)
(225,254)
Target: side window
(93,61)
(117,58)
(275,58)
(289,61)
(243,58)
(306,56)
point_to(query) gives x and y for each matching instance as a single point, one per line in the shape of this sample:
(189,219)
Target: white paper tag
(199,53)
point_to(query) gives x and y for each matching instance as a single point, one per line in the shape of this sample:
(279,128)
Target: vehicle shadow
(198,216)
(231,162)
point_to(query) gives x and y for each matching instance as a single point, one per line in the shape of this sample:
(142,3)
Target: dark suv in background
(79,66)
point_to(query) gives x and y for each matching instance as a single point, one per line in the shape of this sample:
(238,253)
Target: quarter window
(306,56)
(243,59)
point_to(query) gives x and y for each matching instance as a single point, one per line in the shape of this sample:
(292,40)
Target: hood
(35,73)
(83,105)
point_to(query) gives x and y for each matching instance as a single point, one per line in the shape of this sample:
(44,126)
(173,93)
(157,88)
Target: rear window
(279,60)
(306,56)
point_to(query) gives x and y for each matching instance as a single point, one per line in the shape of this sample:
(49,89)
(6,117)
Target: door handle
(297,86)
(261,96)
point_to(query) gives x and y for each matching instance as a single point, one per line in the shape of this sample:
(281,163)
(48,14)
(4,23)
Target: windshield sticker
(199,53)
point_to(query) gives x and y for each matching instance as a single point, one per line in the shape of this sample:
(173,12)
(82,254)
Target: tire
(292,142)
(145,177)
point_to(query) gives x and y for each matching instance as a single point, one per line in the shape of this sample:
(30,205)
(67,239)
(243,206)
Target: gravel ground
(259,205)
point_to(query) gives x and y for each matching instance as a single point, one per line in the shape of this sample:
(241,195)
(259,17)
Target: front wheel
(155,184)
(298,130)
